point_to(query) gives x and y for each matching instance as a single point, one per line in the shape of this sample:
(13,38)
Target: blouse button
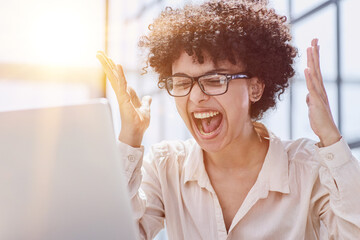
(329,156)
(131,158)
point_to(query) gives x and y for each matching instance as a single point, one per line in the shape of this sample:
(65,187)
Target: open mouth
(207,122)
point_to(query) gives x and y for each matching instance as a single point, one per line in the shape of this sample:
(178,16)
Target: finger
(309,81)
(105,58)
(316,55)
(106,65)
(314,97)
(310,60)
(314,41)
(116,77)
(313,90)
(111,62)
(314,77)
(113,78)
(122,79)
(134,98)
(146,102)
(310,65)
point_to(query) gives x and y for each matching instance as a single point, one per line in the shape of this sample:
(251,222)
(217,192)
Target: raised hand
(135,114)
(321,120)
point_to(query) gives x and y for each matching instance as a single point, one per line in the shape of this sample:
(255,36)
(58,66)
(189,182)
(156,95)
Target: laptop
(60,176)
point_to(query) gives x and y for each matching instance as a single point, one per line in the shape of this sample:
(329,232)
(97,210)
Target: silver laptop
(60,176)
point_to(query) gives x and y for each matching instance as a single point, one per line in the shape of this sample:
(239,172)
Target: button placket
(221,229)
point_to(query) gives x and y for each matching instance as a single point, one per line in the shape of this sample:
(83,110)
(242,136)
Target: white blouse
(299,188)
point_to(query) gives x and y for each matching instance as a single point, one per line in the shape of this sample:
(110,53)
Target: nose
(197,95)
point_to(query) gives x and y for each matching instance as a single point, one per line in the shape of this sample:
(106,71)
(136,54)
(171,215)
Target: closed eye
(214,82)
(182,85)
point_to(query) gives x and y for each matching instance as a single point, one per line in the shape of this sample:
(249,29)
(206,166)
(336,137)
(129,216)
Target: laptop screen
(60,177)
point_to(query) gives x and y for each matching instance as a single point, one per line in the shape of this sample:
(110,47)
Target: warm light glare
(55,32)
(62,38)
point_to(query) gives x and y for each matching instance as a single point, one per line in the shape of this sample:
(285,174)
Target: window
(47,52)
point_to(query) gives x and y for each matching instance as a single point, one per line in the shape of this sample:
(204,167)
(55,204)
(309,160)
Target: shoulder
(302,152)
(172,152)
(299,148)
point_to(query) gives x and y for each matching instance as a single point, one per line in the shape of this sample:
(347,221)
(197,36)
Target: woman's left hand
(321,120)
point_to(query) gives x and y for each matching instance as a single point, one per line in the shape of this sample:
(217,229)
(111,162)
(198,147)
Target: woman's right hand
(135,114)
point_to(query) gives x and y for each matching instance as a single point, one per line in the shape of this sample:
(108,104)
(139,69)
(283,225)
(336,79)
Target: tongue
(212,124)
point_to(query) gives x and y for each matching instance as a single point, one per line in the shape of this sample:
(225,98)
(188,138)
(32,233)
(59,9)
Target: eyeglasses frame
(229,77)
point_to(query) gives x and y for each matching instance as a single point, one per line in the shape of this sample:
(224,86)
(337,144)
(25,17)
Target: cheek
(242,99)
(237,107)
(242,102)
(181,104)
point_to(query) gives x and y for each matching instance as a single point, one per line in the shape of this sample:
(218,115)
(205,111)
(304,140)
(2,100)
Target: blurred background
(48,48)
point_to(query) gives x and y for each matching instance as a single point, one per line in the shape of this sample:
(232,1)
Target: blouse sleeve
(144,190)
(339,205)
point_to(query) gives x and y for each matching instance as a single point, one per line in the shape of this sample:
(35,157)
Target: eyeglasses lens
(211,84)
(178,86)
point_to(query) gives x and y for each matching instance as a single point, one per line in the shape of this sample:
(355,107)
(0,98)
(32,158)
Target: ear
(256,89)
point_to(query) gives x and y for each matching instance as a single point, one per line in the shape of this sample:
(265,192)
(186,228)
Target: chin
(214,144)
(210,147)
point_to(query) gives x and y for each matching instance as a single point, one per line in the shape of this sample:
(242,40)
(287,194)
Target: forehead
(190,66)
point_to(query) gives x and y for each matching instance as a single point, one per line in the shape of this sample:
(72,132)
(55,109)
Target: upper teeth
(205,114)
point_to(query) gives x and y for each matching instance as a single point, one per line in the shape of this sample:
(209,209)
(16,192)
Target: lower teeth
(204,133)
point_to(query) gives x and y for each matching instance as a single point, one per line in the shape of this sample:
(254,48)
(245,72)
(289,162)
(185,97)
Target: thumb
(146,102)
(145,105)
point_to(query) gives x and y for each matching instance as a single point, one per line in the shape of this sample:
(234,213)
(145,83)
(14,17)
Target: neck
(246,152)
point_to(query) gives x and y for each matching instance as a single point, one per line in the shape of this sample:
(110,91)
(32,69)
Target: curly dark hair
(234,30)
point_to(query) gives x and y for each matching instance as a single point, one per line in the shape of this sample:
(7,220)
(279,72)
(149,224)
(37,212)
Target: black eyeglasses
(213,84)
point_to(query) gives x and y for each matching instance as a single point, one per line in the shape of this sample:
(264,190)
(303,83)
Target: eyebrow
(217,70)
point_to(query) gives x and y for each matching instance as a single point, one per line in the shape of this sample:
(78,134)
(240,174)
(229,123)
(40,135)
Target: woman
(225,62)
